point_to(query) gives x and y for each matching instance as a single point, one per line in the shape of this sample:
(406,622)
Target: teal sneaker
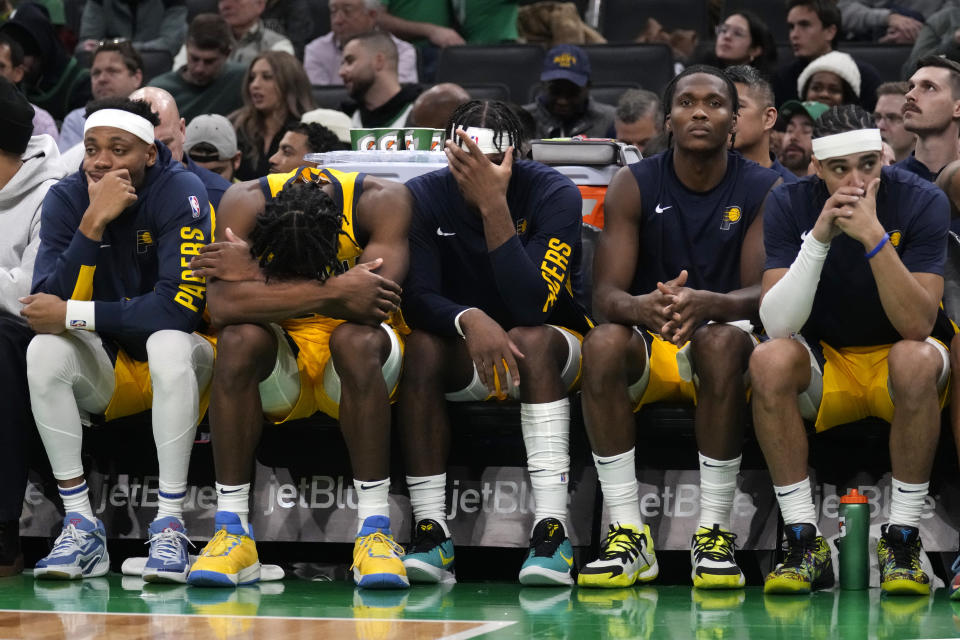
(429,558)
(550,561)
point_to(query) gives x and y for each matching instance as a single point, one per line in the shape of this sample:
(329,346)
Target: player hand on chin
(492,351)
(228,259)
(110,195)
(45,312)
(862,224)
(480,180)
(364,297)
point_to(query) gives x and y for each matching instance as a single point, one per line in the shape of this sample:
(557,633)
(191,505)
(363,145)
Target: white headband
(484,137)
(843,144)
(120,119)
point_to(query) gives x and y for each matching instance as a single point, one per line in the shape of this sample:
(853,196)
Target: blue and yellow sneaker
(898,554)
(80,551)
(377,558)
(550,560)
(230,558)
(711,554)
(429,558)
(168,560)
(955,583)
(626,557)
(807,565)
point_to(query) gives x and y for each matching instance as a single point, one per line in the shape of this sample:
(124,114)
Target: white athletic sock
(235,499)
(796,503)
(77,500)
(371,499)
(170,498)
(618,480)
(546,436)
(906,503)
(428,499)
(718,484)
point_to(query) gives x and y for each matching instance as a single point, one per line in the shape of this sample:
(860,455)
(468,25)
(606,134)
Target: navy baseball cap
(566,62)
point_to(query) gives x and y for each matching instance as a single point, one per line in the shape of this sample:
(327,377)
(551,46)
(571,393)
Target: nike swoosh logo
(417,484)
(713,466)
(608,461)
(104,246)
(902,490)
(569,561)
(444,559)
(225,492)
(365,487)
(780,495)
(441,232)
(660,209)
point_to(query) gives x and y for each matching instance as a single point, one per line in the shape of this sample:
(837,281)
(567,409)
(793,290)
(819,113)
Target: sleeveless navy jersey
(846,309)
(700,232)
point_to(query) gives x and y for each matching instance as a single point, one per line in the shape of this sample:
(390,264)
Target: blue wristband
(879,246)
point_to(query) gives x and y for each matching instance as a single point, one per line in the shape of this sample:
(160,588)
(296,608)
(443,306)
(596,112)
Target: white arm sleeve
(786,307)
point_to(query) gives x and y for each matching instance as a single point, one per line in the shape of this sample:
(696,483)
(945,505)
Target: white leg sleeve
(66,373)
(786,307)
(181,365)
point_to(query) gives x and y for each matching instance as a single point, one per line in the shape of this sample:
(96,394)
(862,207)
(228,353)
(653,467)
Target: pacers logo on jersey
(731,216)
(521,226)
(144,240)
(895,238)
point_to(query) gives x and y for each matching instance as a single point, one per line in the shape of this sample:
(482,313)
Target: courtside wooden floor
(125,608)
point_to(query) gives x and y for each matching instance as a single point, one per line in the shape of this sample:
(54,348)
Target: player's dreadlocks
(492,114)
(842,118)
(297,234)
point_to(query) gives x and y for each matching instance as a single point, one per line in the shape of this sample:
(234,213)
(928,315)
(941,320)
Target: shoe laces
(68,540)
(955,567)
(797,554)
(715,544)
(543,544)
(622,542)
(221,543)
(168,544)
(377,544)
(905,555)
(425,539)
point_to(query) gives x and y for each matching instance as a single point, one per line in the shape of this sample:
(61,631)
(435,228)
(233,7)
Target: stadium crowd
(165,246)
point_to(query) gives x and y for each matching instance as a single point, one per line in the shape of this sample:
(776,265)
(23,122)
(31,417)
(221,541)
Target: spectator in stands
(337,121)
(349,18)
(211,142)
(743,38)
(369,73)
(11,68)
(300,139)
(52,79)
(814,31)
(677,324)
(117,71)
(276,93)
(887,22)
(756,119)
(851,291)
(564,107)
(306,327)
(796,148)
(29,167)
(638,118)
(121,341)
(428,25)
(932,112)
(207,82)
(486,21)
(891,97)
(290,18)
(495,274)
(433,107)
(251,36)
(172,132)
(832,79)
(148,24)
(940,36)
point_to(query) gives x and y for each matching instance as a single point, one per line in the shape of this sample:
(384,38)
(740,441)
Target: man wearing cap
(211,142)
(932,111)
(564,107)
(29,167)
(795,148)
(171,132)
(492,246)
(851,292)
(321,57)
(115,311)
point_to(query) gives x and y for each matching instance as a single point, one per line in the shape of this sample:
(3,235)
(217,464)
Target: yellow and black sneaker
(711,554)
(807,565)
(626,557)
(898,554)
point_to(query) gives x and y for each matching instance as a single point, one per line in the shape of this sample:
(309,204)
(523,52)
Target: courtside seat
(330,96)
(887,59)
(623,20)
(516,65)
(649,65)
